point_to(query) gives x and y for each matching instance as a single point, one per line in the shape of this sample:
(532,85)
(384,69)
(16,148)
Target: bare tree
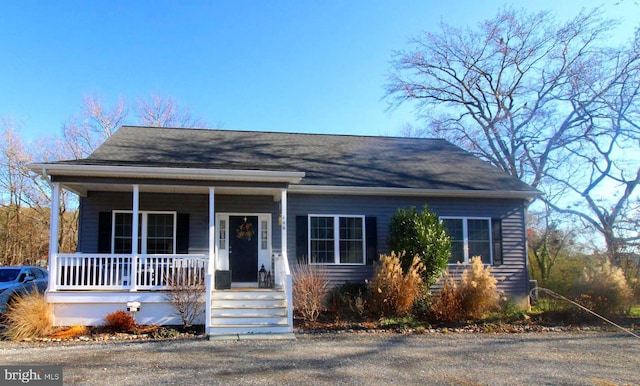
(164,111)
(547,243)
(25,198)
(84,132)
(23,219)
(552,104)
(502,91)
(599,172)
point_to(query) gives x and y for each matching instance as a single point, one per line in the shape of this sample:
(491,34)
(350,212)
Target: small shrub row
(393,293)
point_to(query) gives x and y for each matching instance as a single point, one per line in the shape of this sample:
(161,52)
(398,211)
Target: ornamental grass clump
(604,290)
(472,297)
(447,303)
(393,292)
(310,289)
(478,290)
(28,316)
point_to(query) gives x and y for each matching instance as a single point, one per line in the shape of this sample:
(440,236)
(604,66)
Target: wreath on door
(245,231)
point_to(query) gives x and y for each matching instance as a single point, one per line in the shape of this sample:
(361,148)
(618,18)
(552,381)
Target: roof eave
(412,192)
(53,169)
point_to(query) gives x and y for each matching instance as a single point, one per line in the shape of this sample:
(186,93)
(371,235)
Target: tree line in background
(25,197)
(555,104)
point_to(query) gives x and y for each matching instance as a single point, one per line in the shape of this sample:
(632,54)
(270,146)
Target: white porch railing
(114,271)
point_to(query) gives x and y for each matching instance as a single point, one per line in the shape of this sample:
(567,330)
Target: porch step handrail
(284,280)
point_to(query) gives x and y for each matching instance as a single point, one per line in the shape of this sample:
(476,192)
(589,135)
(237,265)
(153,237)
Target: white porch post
(288,280)
(283,229)
(212,232)
(133,281)
(53,236)
(211,263)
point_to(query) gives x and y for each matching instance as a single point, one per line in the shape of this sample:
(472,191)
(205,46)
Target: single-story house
(221,205)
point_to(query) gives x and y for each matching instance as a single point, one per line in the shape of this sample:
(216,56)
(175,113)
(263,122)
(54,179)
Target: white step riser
(249,330)
(247,304)
(235,321)
(249,312)
(251,296)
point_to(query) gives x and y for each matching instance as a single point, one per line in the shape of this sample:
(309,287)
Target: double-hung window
(336,239)
(156,232)
(472,236)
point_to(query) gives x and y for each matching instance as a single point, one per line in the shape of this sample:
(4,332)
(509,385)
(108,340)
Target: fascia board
(409,192)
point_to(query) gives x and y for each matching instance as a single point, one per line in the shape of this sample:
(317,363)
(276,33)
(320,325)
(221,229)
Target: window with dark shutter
(474,236)
(159,232)
(336,239)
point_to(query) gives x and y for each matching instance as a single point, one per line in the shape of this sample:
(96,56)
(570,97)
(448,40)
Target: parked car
(20,280)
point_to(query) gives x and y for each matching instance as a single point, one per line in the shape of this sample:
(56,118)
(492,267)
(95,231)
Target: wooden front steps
(249,313)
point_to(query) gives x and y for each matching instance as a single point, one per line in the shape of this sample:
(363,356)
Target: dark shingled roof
(331,160)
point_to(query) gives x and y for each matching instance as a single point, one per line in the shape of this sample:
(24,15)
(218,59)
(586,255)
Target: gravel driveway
(567,358)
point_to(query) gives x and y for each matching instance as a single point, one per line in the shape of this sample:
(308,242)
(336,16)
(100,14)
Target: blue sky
(295,66)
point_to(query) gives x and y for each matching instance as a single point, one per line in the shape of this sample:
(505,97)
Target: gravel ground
(555,358)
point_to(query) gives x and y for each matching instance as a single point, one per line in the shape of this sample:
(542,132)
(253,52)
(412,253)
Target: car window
(8,274)
(39,274)
(25,273)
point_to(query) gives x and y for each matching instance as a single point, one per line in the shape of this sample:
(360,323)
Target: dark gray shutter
(302,234)
(182,233)
(496,231)
(371,228)
(104,232)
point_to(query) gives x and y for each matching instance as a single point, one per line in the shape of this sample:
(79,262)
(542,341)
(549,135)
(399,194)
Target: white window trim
(465,235)
(336,238)
(143,225)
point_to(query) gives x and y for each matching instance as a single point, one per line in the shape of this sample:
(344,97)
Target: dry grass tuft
(447,304)
(604,289)
(392,292)
(310,290)
(29,316)
(474,296)
(70,332)
(478,289)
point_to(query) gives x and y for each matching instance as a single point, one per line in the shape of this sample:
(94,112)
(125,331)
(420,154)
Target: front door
(243,248)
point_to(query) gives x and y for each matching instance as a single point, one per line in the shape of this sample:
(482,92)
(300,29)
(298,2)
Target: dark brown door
(243,248)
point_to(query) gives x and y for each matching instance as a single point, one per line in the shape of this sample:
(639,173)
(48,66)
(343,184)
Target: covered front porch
(225,231)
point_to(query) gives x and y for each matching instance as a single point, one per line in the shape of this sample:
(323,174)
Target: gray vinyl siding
(512,274)
(197,206)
